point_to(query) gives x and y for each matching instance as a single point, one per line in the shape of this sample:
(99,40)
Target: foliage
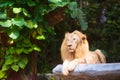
(22,21)
(78,13)
(24,24)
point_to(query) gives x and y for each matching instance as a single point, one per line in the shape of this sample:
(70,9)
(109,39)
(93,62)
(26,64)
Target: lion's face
(72,42)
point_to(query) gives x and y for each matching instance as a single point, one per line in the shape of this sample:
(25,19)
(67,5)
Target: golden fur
(75,50)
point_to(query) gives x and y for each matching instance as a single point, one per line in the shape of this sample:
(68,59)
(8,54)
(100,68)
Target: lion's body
(75,50)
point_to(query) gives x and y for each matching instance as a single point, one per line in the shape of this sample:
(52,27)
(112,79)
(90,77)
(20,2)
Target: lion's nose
(69,45)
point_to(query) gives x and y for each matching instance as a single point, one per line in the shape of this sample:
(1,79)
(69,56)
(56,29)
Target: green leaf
(5,67)
(23,62)
(15,67)
(2,74)
(18,22)
(17,10)
(19,50)
(3,16)
(43,9)
(26,41)
(61,4)
(36,48)
(77,13)
(25,12)
(72,6)
(11,50)
(74,13)
(31,3)
(6,23)
(30,50)
(55,1)
(26,51)
(17,58)
(40,37)
(81,20)
(14,34)
(6,3)
(9,59)
(30,24)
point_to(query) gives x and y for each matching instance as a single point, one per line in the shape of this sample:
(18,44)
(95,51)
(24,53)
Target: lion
(75,50)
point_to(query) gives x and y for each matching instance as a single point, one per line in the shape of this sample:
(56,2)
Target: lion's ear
(66,34)
(84,38)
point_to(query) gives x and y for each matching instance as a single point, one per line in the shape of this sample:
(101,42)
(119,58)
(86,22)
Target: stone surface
(108,71)
(47,76)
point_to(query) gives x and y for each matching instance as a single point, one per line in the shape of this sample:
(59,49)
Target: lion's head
(72,43)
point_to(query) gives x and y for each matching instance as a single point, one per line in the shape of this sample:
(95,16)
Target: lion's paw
(65,68)
(72,65)
(71,68)
(65,72)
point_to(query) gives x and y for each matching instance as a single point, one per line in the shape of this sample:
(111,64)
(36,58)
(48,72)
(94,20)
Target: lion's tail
(100,56)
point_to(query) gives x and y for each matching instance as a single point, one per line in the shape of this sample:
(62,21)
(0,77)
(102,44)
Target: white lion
(75,50)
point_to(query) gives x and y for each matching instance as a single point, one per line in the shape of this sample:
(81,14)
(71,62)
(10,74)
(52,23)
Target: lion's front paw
(72,65)
(65,72)
(65,67)
(71,68)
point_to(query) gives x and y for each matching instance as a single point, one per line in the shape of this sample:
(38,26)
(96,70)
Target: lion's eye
(74,39)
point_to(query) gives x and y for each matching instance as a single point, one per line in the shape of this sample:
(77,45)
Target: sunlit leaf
(25,12)
(3,16)
(30,24)
(61,4)
(40,37)
(55,1)
(5,67)
(17,10)
(18,21)
(14,34)
(2,74)
(36,48)
(15,67)
(6,23)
